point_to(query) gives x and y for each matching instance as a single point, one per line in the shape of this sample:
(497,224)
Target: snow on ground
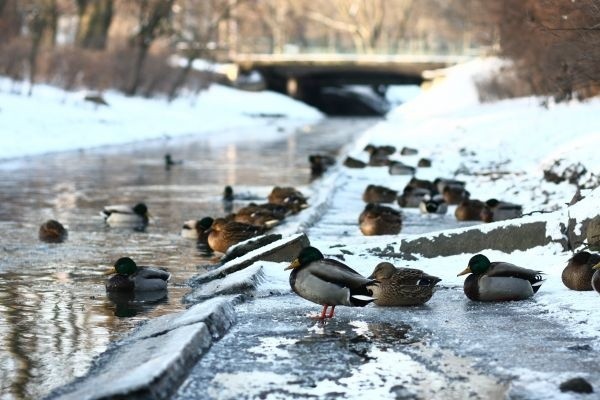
(54,120)
(500,149)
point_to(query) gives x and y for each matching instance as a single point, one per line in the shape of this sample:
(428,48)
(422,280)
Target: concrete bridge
(319,79)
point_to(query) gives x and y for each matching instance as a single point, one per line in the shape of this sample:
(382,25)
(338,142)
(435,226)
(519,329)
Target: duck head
(141,209)
(306,256)
(125,266)
(382,271)
(204,224)
(478,264)
(228,193)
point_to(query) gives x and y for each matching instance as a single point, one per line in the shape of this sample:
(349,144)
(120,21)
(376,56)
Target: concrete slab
(285,249)
(150,368)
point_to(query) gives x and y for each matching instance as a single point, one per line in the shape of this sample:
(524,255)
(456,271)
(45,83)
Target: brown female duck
(52,231)
(579,271)
(379,194)
(223,234)
(379,220)
(401,286)
(293,199)
(469,210)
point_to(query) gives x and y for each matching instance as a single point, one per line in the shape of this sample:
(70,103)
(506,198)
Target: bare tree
(152,18)
(95,17)
(197,25)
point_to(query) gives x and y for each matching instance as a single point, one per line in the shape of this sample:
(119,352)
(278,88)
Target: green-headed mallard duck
(52,231)
(196,229)
(596,278)
(328,282)
(293,199)
(433,205)
(223,234)
(379,194)
(401,286)
(469,210)
(496,210)
(119,215)
(578,273)
(131,277)
(379,220)
(499,281)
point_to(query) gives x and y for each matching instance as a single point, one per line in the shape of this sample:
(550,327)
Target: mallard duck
(455,194)
(579,271)
(253,214)
(52,231)
(293,199)
(328,282)
(433,205)
(441,183)
(424,163)
(399,168)
(469,210)
(131,277)
(126,215)
(351,162)
(422,184)
(379,220)
(224,234)
(596,278)
(496,210)
(169,162)
(385,149)
(499,281)
(379,194)
(408,151)
(319,163)
(411,197)
(196,229)
(401,286)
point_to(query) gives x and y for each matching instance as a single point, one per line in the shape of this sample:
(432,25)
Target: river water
(55,315)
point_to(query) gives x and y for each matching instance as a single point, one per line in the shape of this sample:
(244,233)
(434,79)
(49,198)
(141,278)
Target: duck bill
(466,271)
(294,264)
(110,271)
(597,266)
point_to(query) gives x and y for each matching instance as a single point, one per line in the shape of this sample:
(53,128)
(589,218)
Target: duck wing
(504,269)
(412,276)
(118,209)
(335,272)
(153,273)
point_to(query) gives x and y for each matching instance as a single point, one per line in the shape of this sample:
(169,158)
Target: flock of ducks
(430,197)
(331,283)
(211,234)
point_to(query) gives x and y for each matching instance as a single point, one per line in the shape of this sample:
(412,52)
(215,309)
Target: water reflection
(55,315)
(132,303)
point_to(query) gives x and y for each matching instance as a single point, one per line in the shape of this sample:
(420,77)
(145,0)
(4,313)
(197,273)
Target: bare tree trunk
(42,26)
(95,18)
(152,15)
